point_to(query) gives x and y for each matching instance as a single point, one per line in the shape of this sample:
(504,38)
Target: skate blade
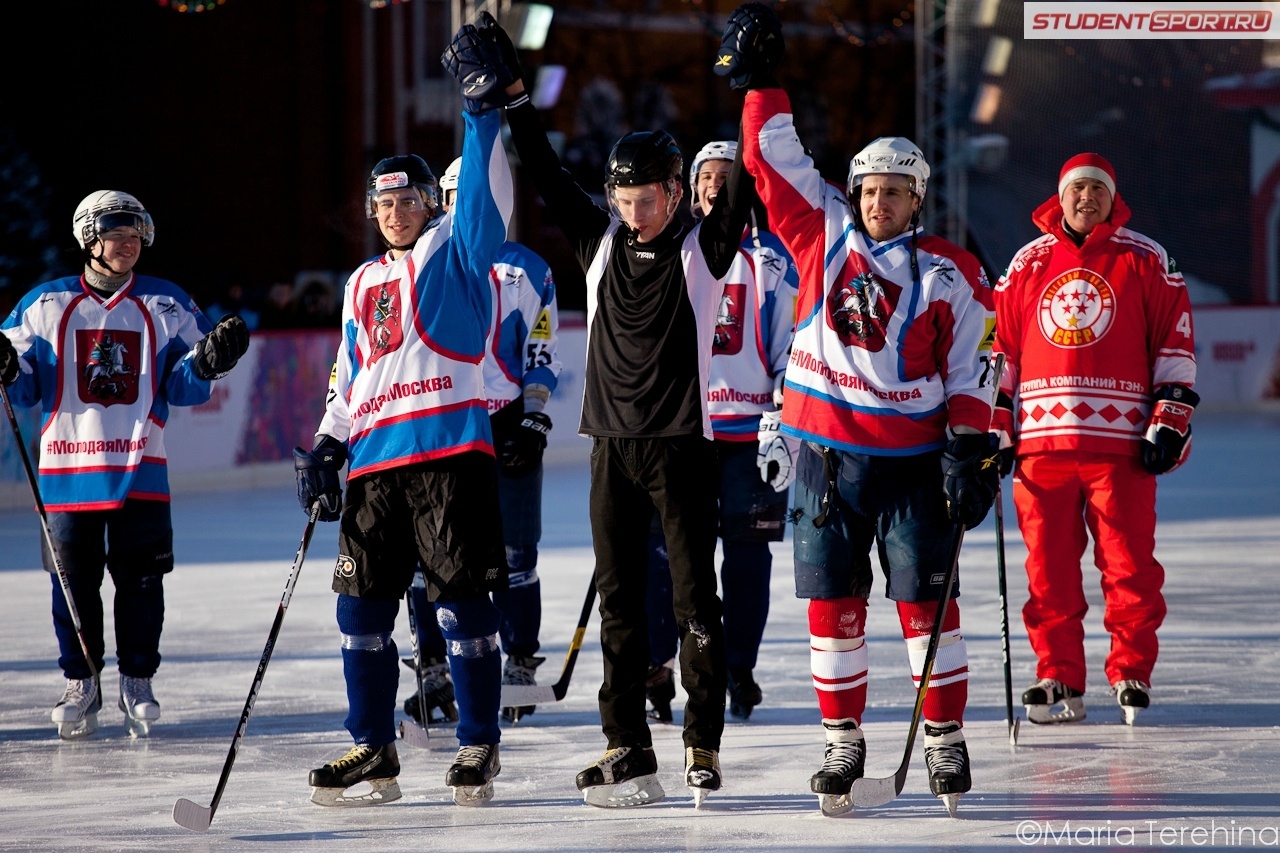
(380,791)
(835,805)
(473,795)
(699,796)
(192,816)
(78,729)
(1130,714)
(414,735)
(640,791)
(1043,715)
(951,801)
(138,728)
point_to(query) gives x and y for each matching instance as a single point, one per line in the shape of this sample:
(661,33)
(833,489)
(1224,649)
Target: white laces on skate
(137,690)
(946,759)
(843,758)
(473,756)
(81,692)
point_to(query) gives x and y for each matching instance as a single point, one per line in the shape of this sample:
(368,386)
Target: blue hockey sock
(521,603)
(370,665)
(745,577)
(470,628)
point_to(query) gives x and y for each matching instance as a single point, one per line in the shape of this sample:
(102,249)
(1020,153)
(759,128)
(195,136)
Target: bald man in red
(1095,401)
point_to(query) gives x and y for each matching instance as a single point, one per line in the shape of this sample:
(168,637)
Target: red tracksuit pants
(1057,494)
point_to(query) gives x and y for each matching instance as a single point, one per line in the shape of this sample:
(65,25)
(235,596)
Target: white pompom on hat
(1087,166)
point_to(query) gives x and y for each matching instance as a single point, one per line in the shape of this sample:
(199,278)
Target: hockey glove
(521,452)
(319,477)
(777,453)
(751,48)
(1167,442)
(489,29)
(1002,429)
(219,350)
(970,476)
(8,361)
(476,63)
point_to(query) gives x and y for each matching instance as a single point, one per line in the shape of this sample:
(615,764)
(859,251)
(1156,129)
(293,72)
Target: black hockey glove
(751,48)
(521,452)
(219,350)
(970,475)
(318,477)
(1167,442)
(8,361)
(476,63)
(489,29)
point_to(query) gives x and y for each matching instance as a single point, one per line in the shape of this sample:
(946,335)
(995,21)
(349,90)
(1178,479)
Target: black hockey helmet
(646,157)
(403,170)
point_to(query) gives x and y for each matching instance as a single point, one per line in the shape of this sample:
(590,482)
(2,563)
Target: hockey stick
(1004,620)
(410,732)
(197,817)
(870,793)
(48,537)
(518,695)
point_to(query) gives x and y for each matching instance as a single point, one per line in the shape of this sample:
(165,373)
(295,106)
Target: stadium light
(984,14)
(547,86)
(999,49)
(528,24)
(986,104)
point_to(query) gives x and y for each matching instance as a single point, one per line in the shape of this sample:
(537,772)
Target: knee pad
(470,626)
(522,565)
(366,623)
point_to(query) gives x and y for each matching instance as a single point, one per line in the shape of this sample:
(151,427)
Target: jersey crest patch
(107,366)
(1076,309)
(542,328)
(858,310)
(382,319)
(728,337)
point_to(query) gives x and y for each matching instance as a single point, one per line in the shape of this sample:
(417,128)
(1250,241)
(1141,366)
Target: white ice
(1205,755)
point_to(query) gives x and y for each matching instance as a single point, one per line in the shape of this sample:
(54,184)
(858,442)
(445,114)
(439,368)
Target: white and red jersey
(522,344)
(105,371)
(1089,332)
(754,325)
(882,364)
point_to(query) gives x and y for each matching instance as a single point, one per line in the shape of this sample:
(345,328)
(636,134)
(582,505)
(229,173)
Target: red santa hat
(1087,166)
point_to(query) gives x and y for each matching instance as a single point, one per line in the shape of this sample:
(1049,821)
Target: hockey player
(406,408)
(888,386)
(105,354)
(521,366)
(1095,402)
(653,291)
(752,341)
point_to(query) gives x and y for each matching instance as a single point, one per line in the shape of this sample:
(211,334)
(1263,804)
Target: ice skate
(376,766)
(139,705)
(519,670)
(471,776)
(441,706)
(660,689)
(842,762)
(1050,701)
(77,711)
(701,773)
(947,758)
(625,776)
(1133,696)
(744,693)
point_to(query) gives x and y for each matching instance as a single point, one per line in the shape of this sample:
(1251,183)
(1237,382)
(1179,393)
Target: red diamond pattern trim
(1037,413)
(1082,410)
(1110,413)
(1135,417)
(1058,410)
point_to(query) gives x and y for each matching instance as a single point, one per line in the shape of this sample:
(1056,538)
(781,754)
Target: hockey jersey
(408,383)
(522,346)
(882,363)
(105,371)
(1089,332)
(754,325)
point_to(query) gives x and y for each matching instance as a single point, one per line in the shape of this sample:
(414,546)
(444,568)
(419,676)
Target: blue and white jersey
(105,371)
(408,384)
(754,327)
(522,347)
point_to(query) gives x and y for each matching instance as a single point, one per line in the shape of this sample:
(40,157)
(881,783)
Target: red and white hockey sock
(949,683)
(838,656)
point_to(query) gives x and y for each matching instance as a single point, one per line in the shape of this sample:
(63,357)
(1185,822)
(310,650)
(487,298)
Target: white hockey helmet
(720,150)
(889,155)
(106,210)
(449,180)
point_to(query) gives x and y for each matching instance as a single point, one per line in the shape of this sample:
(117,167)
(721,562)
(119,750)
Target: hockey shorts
(750,510)
(443,512)
(134,541)
(895,501)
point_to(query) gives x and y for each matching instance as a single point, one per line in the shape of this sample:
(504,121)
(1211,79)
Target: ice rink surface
(1202,765)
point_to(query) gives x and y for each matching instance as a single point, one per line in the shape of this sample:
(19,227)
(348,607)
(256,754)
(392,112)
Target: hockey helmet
(721,150)
(449,180)
(394,173)
(106,210)
(647,157)
(889,155)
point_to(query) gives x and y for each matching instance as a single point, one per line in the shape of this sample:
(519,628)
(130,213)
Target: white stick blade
(414,735)
(192,816)
(517,695)
(872,793)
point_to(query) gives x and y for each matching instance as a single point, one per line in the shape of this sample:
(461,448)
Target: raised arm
(721,232)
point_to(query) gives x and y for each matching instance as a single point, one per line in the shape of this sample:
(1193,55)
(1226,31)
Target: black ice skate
(701,773)
(77,711)
(843,761)
(625,776)
(519,670)
(139,705)
(441,706)
(947,758)
(471,776)
(660,689)
(744,693)
(377,766)
(1133,696)
(1050,701)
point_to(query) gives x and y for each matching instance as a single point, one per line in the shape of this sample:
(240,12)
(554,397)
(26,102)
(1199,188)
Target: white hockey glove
(777,454)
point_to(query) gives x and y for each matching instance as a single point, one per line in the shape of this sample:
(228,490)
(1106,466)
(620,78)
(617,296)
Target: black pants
(630,477)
